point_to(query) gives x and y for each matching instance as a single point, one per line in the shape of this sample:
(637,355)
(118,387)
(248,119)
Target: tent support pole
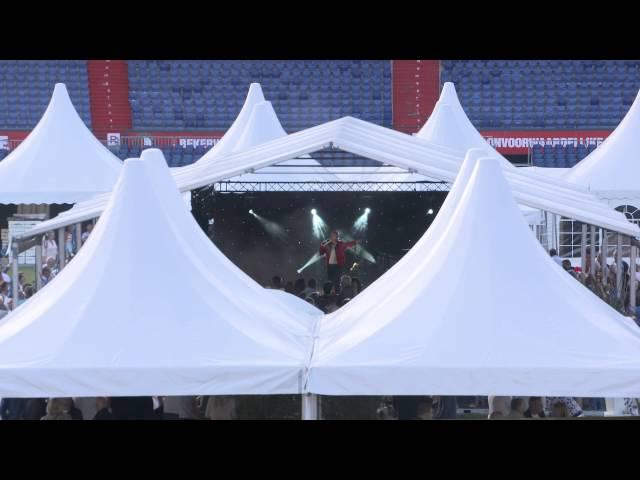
(583,249)
(632,279)
(309,406)
(38,248)
(78,228)
(603,257)
(61,248)
(619,265)
(14,275)
(592,238)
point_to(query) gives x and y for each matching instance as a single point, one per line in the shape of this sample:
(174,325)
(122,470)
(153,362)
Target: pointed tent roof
(229,140)
(263,126)
(461,317)
(615,165)
(103,327)
(60,161)
(450,126)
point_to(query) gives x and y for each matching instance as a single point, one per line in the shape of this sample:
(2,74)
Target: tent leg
(309,406)
(78,228)
(38,266)
(603,257)
(632,279)
(619,265)
(592,266)
(61,259)
(14,276)
(583,249)
(614,407)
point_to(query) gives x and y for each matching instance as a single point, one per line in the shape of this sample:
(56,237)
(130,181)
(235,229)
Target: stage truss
(320,186)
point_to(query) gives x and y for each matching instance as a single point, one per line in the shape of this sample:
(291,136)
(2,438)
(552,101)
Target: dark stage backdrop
(396,221)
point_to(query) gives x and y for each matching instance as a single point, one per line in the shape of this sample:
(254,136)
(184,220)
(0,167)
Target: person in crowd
(334,251)
(132,408)
(28,291)
(517,408)
(46,276)
(103,409)
(35,408)
(327,302)
(343,301)
(51,263)
(570,403)
(535,409)
(71,409)
(406,406)
(496,415)
(559,410)
(180,408)
(4,296)
(553,253)
(87,232)
(12,408)
(86,406)
(425,408)
(58,409)
(49,246)
(68,245)
(4,275)
(566,265)
(346,287)
(220,407)
(499,404)
(289,287)
(356,285)
(299,287)
(312,287)
(276,282)
(311,301)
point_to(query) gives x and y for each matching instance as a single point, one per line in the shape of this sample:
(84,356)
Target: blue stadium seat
(592,94)
(193,85)
(26,88)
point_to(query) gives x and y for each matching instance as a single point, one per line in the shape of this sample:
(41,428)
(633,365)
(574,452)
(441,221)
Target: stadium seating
(559,156)
(192,95)
(544,94)
(26,88)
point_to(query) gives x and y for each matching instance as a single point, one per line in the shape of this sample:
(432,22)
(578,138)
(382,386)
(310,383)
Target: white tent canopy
(60,161)
(613,167)
(150,306)
(460,317)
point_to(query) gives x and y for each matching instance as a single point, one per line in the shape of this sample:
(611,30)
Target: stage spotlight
(361,223)
(251,212)
(430,211)
(319,226)
(316,257)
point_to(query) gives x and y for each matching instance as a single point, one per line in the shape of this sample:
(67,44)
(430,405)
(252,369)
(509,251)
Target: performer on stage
(334,252)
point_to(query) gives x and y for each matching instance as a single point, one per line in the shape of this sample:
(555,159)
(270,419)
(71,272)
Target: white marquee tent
(460,317)
(60,161)
(150,306)
(612,170)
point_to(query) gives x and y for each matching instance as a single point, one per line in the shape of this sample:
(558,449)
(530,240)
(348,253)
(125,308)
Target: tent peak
(448,94)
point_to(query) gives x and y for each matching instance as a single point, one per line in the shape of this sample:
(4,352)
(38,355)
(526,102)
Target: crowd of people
(606,290)
(328,298)
(47,271)
(119,408)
